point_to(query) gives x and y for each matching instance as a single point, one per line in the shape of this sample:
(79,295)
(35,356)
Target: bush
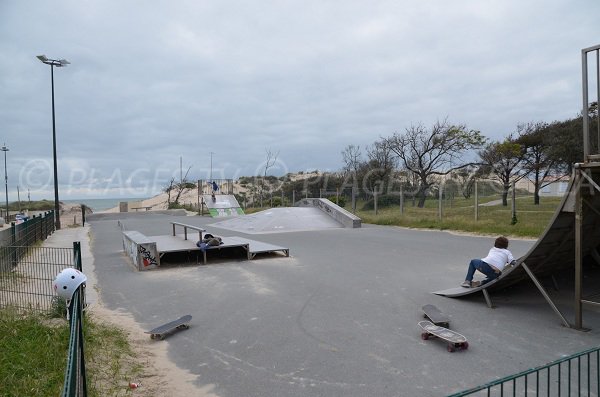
(386,200)
(341,203)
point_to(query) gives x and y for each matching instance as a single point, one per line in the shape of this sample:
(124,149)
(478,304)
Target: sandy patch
(160,376)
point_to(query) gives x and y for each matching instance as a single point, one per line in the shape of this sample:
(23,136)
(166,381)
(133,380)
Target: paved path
(339,317)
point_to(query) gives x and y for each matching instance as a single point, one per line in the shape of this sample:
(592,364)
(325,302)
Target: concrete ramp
(278,220)
(222,205)
(555,249)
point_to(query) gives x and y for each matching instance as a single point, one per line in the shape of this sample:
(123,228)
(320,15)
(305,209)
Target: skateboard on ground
(161,331)
(454,339)
(436,316)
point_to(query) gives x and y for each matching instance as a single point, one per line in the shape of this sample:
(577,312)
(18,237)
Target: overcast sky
(152,81)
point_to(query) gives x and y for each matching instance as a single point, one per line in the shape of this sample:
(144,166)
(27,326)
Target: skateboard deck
(436,316)
(163,330)
(453,339)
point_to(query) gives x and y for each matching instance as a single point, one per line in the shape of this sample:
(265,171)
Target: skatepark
(339,316)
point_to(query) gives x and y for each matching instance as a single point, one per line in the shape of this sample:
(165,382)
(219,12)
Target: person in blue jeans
(492,265)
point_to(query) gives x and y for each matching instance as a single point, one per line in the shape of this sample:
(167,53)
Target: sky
(158,86)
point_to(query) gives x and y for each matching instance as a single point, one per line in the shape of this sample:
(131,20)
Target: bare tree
(177,188)
(438,151)
(270,162)
(351,156)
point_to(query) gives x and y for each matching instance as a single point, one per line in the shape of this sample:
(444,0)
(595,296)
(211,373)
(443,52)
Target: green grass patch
(33,356)
(459,214)
(34,349)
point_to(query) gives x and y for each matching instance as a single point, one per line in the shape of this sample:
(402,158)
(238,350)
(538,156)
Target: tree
(178,188)
(381,165)
(540,166)
(429,153)
(503,159)
(465,178)
(271,160)
(351,156)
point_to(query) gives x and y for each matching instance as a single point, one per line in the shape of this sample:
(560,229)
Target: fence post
(293,197)
(440,204)
(13,243)
(375,201)
(401,200)
(514,205)
(476,203)
(353,199)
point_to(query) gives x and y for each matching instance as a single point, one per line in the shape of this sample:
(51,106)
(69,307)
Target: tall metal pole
(56,203)
(58,63)
(5,149)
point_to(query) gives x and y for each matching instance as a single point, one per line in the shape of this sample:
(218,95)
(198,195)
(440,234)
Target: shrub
(386,200)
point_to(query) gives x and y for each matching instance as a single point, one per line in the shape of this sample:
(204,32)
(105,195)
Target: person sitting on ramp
(492,265)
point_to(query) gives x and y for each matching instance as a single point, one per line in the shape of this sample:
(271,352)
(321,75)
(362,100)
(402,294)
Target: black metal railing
(36,228)
(575,375)
(75,384)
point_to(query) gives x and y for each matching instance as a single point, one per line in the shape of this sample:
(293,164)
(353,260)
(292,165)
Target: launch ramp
(221,205)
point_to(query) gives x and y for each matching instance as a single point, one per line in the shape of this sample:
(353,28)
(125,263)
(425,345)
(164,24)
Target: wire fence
(27,283)
(26,270)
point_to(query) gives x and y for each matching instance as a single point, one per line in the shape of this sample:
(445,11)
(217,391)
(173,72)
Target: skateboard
(435,315)
(454,339)
(161,331)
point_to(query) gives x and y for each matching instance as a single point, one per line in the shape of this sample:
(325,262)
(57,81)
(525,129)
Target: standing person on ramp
(492,265)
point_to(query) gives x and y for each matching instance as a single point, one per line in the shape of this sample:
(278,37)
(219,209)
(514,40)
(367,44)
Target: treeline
(421,159)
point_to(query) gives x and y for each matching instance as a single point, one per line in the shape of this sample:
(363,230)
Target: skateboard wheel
(450,349)
(152,336)
(162,337)
(424,335)
(465,345)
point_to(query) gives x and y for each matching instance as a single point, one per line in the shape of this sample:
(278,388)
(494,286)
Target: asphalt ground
(339,316)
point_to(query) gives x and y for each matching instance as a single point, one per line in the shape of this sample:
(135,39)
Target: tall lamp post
(5,149)
(59,64)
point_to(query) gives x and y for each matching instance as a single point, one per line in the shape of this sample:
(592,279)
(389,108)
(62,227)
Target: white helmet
(67,281)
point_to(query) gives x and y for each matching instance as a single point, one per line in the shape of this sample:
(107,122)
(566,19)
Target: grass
(459,215)
(34,356)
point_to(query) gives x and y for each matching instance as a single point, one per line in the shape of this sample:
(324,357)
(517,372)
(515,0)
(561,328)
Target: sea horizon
(102,204)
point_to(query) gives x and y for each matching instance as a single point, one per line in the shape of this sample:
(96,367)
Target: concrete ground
(337,318)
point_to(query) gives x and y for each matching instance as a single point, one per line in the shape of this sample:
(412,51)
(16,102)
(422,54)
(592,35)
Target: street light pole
(5,149)
(58,63)
(211,153)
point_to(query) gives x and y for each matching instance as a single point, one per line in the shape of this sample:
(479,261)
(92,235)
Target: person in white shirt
(492,265)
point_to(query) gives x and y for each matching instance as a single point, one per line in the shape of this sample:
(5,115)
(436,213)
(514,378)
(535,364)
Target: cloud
(152,82)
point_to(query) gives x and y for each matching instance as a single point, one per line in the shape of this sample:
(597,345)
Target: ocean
(102,204)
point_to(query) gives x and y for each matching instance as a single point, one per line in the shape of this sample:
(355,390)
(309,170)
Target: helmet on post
(67,281)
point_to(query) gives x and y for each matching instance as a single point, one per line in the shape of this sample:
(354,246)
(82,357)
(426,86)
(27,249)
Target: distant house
(556,188)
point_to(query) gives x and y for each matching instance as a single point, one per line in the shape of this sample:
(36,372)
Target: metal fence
(75,384)
(575,375)
(29,232)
